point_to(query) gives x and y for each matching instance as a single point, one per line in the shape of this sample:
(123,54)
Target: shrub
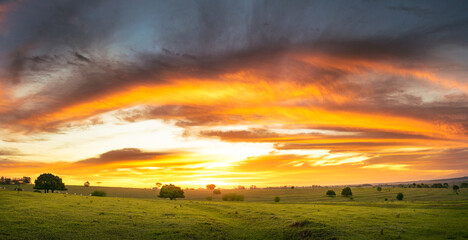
(346,192)
(331,193)
(399,196)
(379,188)
(277,199)
(209,198)
(386,199)
(217,191)
(233,197)
(37,190)
(464,185)
(98,193)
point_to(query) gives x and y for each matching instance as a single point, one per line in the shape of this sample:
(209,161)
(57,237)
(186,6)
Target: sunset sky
(130,93)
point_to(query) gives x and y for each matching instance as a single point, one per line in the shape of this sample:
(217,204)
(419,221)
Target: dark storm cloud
(124,155)
(110,45)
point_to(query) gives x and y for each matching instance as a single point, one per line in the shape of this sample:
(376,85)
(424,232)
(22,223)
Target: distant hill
(445,180)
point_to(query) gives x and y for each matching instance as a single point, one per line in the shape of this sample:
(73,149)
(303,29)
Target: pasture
(301,214)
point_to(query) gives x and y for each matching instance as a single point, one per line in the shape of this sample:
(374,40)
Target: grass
(301,214)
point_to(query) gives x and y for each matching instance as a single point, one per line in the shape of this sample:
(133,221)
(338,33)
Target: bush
(209,198)
(233,197)
(346,192)
(98,193)
(379,188)
(464,185)
(277,199)
(37,190)
(217,191)
(399,196)
(331,193)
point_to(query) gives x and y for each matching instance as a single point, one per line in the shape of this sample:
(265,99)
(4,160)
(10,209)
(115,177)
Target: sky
(265,93)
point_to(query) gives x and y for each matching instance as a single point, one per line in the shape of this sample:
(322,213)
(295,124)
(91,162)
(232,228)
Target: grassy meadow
(300,214)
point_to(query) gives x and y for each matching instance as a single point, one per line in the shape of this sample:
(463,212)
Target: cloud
(124,155)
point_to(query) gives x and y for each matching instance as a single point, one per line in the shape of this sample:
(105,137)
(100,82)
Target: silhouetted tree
(217,191)
(346,192)
(331,193)
(171,191)
(446,185)
(86,184)
(379,188)
(210,186)
(48,181)
(399,196)
(455,189)
(464,185)
(277,199)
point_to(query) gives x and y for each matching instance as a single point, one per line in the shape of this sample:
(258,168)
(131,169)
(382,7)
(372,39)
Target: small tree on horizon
(86,184)
(48,181)
(379,188)
(217,191)
(455,188)
(331,193)
(171,191)
(210,187)
(346,192)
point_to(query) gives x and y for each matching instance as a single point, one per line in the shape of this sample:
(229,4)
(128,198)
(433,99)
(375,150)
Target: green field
(301,214)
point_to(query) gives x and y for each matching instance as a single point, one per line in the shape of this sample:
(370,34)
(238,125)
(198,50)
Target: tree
(331,193)
(48,181)
(346,192)
(464,185)
(171,191)
(455,188)
(210,187)
(277,199)
(446,185)
(379,188)
(217,191)
(86,184)
(399,196)
(158,184)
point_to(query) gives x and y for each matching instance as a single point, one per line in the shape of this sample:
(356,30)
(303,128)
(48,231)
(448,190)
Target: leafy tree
(277,199)
(210,187)
(464,185)
(379,188)
(346,192)
(48,181)
(86,184)
(455,188)
(158,184)
(446,185)
(331,193)
(399,196)
(217,191)
(171,191)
